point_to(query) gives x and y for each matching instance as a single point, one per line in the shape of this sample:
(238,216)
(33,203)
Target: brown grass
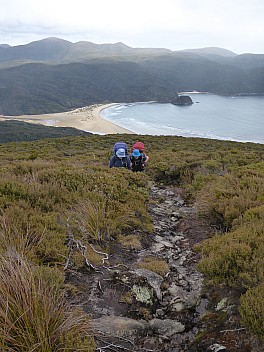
(34,315)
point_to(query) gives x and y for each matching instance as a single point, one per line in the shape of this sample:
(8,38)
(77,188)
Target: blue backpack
(120,145)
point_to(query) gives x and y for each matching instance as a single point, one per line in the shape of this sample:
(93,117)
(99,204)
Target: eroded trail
(137,309)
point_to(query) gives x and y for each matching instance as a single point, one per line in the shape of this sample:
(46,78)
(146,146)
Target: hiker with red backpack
(138,157)
(120,157)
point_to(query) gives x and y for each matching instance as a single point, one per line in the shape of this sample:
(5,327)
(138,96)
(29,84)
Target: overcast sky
(236,25)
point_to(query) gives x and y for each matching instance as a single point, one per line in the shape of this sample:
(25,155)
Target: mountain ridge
(55,75)
(212,51)
(60,48)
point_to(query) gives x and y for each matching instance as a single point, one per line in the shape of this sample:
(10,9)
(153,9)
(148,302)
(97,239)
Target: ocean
(237,118)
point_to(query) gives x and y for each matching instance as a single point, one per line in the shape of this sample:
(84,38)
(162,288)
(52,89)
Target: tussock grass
(34,315)
(154,264)
(130,241)
(12,238)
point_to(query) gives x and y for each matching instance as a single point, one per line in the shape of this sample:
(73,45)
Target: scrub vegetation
(61,207)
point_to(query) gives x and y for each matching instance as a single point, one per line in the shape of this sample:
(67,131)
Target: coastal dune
(87,119)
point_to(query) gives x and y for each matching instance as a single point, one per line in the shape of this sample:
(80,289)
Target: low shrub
(252,310)
(235,258)
(226,199)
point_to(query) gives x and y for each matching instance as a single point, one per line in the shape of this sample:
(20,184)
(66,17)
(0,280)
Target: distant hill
(53,75)
(18,131)
(211,51)
(55,49)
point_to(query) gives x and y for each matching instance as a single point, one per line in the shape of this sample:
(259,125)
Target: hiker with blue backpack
(120,157)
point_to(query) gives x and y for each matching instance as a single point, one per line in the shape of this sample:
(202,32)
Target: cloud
(176,24)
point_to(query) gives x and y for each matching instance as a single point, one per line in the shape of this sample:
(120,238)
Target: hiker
(120,159)
(138,160)
(138,157)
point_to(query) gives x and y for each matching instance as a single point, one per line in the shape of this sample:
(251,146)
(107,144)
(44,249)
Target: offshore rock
(182,100)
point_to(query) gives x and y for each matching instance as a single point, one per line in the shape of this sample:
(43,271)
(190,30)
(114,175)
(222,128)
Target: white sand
(87,119)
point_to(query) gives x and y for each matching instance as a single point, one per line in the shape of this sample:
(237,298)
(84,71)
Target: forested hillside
(55,75)
(65,216)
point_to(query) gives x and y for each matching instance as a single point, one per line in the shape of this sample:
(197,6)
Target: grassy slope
(53,188)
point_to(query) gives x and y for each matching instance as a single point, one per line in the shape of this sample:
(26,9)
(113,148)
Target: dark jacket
(138,164)
(120,162)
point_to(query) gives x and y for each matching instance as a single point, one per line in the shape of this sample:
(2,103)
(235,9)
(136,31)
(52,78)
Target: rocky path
(135,309)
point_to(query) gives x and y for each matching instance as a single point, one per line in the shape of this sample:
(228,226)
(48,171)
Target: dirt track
(178,310)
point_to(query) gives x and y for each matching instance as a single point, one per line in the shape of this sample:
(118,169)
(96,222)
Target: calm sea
(211,116)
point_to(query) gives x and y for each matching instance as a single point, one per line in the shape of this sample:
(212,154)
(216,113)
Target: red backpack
(139,145)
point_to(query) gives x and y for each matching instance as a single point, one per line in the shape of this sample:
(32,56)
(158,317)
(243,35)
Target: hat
(121,153)
(136,153)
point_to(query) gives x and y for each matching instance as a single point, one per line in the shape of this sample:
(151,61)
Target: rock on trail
(137,309)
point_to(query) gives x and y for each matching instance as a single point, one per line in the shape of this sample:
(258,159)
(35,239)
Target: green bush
(235,258)
(226,199)
(252,310)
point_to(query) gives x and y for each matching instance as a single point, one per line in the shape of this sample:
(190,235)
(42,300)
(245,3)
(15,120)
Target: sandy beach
(87,119)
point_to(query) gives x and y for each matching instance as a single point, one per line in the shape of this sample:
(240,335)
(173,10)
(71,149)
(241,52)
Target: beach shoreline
(86,119)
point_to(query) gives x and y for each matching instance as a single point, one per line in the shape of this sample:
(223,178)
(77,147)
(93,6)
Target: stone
(177,307)
(167,244)
(216,348)
(119,326)
(166,327)
(157,247)
(142,294)
(222,304)
(153,279)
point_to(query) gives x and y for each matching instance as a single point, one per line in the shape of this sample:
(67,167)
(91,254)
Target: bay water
(238,118)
